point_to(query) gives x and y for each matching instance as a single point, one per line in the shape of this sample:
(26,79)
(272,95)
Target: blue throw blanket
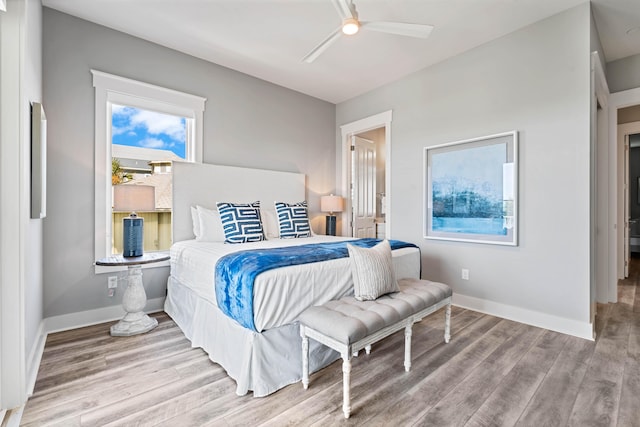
(236,272)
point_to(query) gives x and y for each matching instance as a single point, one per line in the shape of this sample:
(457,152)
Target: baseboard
(523,315)
(33,362)
(69,321)
(12,417)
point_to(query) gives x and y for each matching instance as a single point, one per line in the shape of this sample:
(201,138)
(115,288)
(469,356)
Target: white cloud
(152,143)
(121,110)
(157,123)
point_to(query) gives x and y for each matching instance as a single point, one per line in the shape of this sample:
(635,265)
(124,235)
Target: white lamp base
(134,300)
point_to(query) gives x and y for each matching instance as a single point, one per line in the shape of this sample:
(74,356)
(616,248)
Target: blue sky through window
(144,128)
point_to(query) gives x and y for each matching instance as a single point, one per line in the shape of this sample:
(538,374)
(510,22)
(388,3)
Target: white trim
(599,242)
(347,130)
(81,319)
(148,92)
(617,100)
(13,417)
(528,317)
(14,207)
(110,89)
(33,362)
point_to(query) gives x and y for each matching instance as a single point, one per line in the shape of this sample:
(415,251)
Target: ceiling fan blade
(324,44)
(345,9)
(400,28)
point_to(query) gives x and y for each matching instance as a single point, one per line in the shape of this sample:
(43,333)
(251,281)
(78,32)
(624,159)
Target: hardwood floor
(494,372)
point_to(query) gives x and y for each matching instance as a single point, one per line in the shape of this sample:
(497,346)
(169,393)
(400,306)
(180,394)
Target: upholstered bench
(348,325)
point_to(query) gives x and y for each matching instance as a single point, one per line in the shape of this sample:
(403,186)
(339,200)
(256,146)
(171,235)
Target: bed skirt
(262,362)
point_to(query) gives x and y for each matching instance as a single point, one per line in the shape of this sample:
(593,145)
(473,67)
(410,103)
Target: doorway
(629,144)
(620,104)
(366,181)
(368,196)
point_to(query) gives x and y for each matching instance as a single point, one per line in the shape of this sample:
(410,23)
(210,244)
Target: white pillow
(293,220)
(210,225)
(372,271)
(270,223)
(195,220)
(241,222)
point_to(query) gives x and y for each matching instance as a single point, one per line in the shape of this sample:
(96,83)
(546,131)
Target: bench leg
(305,360)
(367,349)
(346,383)
(447,323)
(407,347)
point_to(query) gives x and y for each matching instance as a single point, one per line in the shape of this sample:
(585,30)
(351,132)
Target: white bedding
(280,295)
(260,362)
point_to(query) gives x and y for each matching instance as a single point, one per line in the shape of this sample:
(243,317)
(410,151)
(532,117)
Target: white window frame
(111,89)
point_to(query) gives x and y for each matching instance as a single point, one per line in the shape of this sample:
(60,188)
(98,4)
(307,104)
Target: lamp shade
(131,198)
(331,203)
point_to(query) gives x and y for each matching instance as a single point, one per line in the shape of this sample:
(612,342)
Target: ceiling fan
(351,25)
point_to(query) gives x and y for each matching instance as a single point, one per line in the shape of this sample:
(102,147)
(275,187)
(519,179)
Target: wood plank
(176,407)
(492,373)
(370,372)
(57,381)
(131,404)
(505,405)
(599,394)
(372,400)
(133,382)
(469,394)
(628,412)
(552,403)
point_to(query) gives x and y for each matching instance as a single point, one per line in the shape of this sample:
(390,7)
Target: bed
(266,357)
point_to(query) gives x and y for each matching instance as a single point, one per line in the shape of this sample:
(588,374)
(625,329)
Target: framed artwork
(38,161)
(471,190)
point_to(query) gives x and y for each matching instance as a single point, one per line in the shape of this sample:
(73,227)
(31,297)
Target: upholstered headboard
(205,184)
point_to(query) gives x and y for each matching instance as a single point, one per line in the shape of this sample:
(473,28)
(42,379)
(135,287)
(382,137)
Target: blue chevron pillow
(293,220)
(241,222)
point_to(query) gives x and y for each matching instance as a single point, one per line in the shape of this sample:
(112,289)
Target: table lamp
(331,204)
(133,198)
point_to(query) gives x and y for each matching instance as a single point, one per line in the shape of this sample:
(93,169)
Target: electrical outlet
(113,282)
(111,292)
(465,274)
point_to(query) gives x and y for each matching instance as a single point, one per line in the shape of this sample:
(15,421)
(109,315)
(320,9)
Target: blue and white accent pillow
(293,220)
(241,222)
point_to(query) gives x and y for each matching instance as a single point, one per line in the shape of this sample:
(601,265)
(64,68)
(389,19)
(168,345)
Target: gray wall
(535,81)
(624,74)
(247,122)
(629,114)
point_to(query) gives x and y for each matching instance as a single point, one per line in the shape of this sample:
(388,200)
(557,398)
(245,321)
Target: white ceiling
(268,38)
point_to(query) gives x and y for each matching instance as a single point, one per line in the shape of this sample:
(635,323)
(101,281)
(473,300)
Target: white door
(363,182)
(627,240)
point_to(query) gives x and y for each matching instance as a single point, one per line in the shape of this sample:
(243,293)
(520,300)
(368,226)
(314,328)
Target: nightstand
(134,299)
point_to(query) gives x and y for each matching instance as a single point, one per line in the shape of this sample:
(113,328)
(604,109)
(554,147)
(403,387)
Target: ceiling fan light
(350,26)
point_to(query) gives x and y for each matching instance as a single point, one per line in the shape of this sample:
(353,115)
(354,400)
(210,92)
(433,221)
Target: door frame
(617,100)
(14,209)
(347,130)
(600,223)
(625,129)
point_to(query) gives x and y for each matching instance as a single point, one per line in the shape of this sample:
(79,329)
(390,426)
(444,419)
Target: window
(139,130)
(144,144)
